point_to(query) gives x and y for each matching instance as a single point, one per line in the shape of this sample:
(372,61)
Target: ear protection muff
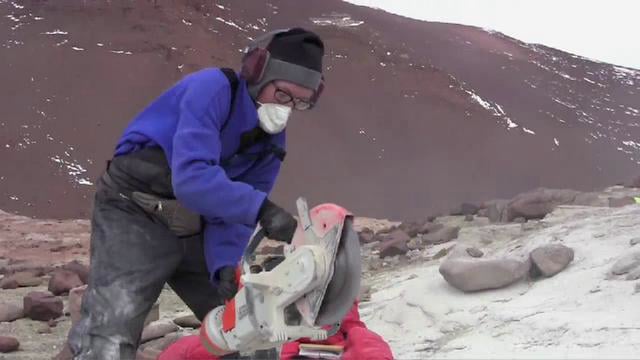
(256,57)
(253,65)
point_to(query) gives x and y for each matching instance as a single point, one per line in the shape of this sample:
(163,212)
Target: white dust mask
(273,117)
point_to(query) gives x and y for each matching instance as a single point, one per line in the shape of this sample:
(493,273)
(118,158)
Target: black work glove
(227,285)
(277,223)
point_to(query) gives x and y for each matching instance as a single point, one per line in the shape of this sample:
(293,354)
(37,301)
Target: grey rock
(497,211)
(8,344)
(160,344)
(590,199)
(465,209)
(520,220)
(441,253)
(445,234)
(394,243)
(616,202)
(626,264)
(468,218)
(188,321)
(470,275)
(538,203)
(474,252)
(634,241)
(636,289)
(634,274)
(157,330)
(10,312)
(549,260)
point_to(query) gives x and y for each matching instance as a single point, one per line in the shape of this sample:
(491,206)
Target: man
(189,181)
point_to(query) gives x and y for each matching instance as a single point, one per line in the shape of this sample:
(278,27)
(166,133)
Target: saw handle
(253,244)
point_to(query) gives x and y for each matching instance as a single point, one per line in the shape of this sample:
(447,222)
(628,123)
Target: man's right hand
(277,223)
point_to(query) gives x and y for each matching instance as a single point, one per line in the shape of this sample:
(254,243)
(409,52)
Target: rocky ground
(549,273)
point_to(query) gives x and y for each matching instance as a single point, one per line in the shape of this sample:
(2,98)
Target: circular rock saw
(304,295)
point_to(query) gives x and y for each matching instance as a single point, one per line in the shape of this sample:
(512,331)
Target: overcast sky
(607,31)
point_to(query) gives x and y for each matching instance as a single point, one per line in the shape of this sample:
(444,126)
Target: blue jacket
(188,122)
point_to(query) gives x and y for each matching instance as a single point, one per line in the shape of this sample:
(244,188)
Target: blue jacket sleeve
(198,179)
(224,243)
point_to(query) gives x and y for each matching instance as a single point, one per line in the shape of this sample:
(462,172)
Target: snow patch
(77,48)
(528,131)
(231,23)
(55,32)
(121,52)
(555,140)
(569,105)
(340,20)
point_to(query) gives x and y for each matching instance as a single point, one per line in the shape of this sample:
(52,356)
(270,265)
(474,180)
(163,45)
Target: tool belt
(144,177)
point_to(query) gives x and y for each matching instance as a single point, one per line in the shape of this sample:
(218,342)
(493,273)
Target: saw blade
(344,286)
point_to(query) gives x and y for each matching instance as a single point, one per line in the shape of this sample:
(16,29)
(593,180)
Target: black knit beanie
(298,46)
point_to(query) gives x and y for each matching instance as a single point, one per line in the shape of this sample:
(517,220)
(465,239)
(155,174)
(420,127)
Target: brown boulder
(468,274)
(538,203)
(20,279)
(43,306)
(443,235)
(8,344)
(474,252)
(79,268)
(10,312)
(63,280)
(394,243)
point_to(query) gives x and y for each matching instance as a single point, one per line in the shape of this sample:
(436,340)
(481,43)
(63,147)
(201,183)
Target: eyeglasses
(283,97)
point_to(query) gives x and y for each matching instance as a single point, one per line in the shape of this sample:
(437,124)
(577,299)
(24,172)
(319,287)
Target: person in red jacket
(358,342)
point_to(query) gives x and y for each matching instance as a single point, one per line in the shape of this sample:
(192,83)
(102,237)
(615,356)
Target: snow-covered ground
(582,312)
(597,30)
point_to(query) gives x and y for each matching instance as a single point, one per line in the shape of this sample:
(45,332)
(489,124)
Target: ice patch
(13,18)
(556,142)
(188,23)
(121,52)
(221,7)
(16,5)
(100,44)
(14,198)
(77,48)
(528,131)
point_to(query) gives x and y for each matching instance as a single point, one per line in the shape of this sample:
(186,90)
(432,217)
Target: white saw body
(304,296)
